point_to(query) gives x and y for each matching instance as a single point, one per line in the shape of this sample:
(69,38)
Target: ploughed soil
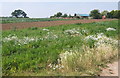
(48,23)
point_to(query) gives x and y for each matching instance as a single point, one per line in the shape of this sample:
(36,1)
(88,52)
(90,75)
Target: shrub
(33,28)
(78,23)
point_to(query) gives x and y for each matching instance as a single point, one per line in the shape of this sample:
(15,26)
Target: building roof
(83,14)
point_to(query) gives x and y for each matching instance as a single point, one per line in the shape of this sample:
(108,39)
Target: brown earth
(111,70)
(47,23)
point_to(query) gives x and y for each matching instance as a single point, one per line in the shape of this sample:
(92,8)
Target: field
(5,20)
(22,25)
(67,50)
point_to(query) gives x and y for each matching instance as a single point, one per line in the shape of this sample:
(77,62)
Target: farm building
(83,15)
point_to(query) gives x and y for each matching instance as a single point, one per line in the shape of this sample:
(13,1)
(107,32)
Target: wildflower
(50,65)
(50,35)
(54,68)
(45,29)
(111,29)
(71,32)
(19,41)
(91,37)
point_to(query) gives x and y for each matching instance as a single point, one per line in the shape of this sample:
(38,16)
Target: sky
(59,0)
(39,9)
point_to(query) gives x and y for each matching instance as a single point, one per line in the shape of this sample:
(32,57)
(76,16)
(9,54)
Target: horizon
(47,9)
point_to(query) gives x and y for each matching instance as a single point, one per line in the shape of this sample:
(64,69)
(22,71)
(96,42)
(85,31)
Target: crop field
(22,25)
(5,20)
(79,49)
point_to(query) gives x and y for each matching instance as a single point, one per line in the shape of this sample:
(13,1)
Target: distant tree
(114,14)
(59,14)
(109,15)
(105,12)
(117,14)
(65,15)
(19,13)
(95,14)
(75,15)
(70,15)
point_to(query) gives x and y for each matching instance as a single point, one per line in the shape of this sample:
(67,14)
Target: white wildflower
(45,29)
(54,68)
(50,65)
(19,41)
(62,66)
(91,37)
(71,32)
(50,35)
(102,39)
(111,29)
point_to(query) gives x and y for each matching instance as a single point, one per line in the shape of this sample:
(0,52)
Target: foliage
(70,15)
(105,12)
(75,14)
(59,14)
(113,14)
(65,15)
(95,14)
(19,13)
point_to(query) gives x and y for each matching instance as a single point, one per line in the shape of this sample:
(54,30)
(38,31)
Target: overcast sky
(59,0)
(44,9)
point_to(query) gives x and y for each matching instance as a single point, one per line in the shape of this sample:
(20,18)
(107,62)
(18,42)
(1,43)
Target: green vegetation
(17,20)
(95,14)
(75,49)
(19,13)
(112,14)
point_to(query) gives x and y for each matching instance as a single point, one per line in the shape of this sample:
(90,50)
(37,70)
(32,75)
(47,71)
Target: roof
(83,14)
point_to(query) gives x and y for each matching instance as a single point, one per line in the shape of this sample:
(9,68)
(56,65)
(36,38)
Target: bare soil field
(48,23)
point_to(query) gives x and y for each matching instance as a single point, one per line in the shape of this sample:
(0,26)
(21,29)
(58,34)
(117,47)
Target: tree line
(112,14)
(95,14)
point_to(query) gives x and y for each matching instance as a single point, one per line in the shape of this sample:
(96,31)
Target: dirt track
(112,69)
(47,23)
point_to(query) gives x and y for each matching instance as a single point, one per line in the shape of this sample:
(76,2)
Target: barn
(83,15)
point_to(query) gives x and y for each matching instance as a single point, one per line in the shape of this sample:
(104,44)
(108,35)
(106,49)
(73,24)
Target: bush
(33,28)
(78,23)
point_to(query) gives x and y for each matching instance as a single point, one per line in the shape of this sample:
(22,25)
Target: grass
(75,49)
(5,20)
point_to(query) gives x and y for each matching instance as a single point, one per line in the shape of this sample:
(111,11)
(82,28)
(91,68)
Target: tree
(105,12)
(19,13)
(69,16)
(118,16)
(95,14)
(114,14)
(59,14)
(109,15)
(65,15)
(75,15)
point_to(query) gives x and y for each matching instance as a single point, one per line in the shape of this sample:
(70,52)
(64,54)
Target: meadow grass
(65,50)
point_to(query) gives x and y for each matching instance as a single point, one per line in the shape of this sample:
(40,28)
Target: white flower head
(111,29)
